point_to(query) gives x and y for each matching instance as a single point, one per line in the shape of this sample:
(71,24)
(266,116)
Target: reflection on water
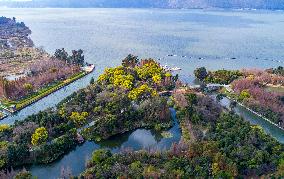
(135,140)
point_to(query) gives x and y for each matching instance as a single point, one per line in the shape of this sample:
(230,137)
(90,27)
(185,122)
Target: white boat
(175,69)
(88,68)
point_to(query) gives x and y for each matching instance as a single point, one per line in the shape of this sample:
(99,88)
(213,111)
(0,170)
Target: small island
(27,73)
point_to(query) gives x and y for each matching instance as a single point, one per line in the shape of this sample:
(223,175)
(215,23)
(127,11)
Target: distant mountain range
(253,4)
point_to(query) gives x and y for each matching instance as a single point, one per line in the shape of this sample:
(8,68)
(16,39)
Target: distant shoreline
(159,8)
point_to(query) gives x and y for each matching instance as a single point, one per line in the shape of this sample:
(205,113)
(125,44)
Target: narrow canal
(269,128)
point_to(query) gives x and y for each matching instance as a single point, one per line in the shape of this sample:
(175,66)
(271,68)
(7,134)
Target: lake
(192,38)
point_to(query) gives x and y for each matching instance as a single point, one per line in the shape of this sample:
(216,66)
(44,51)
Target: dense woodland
(124,98)
(220,144)
(215,141)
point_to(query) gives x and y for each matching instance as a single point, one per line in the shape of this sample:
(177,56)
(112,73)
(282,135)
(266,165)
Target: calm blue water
(206,38)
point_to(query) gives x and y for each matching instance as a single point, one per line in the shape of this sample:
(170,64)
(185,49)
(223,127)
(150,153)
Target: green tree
(191,99)
(100,156)
(16,154)
(219,97)
(40,136)
(244,95)
(200,73)
(61,54)
(28,87)
(233,104)
(130,61)
(92,81)
(77,57)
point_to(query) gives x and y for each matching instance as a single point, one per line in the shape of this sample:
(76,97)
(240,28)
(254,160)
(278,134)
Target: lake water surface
(214,39)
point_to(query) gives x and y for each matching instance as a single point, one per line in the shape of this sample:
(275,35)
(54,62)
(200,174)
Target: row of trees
(76,57)
(278,71)
(219,76)
(41,73)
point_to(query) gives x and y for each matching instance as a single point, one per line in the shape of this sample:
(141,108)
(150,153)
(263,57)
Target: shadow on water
(135,140)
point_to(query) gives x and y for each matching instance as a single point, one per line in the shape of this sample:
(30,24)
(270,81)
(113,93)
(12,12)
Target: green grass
(42,92)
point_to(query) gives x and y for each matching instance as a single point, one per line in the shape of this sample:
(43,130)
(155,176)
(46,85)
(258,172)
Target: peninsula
(27,73)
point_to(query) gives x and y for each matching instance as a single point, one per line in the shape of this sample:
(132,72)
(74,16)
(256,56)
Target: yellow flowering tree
(118,77)
(142,91)
(4,127)
(40,136)
(157,79)
(149,70)
(78,118)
